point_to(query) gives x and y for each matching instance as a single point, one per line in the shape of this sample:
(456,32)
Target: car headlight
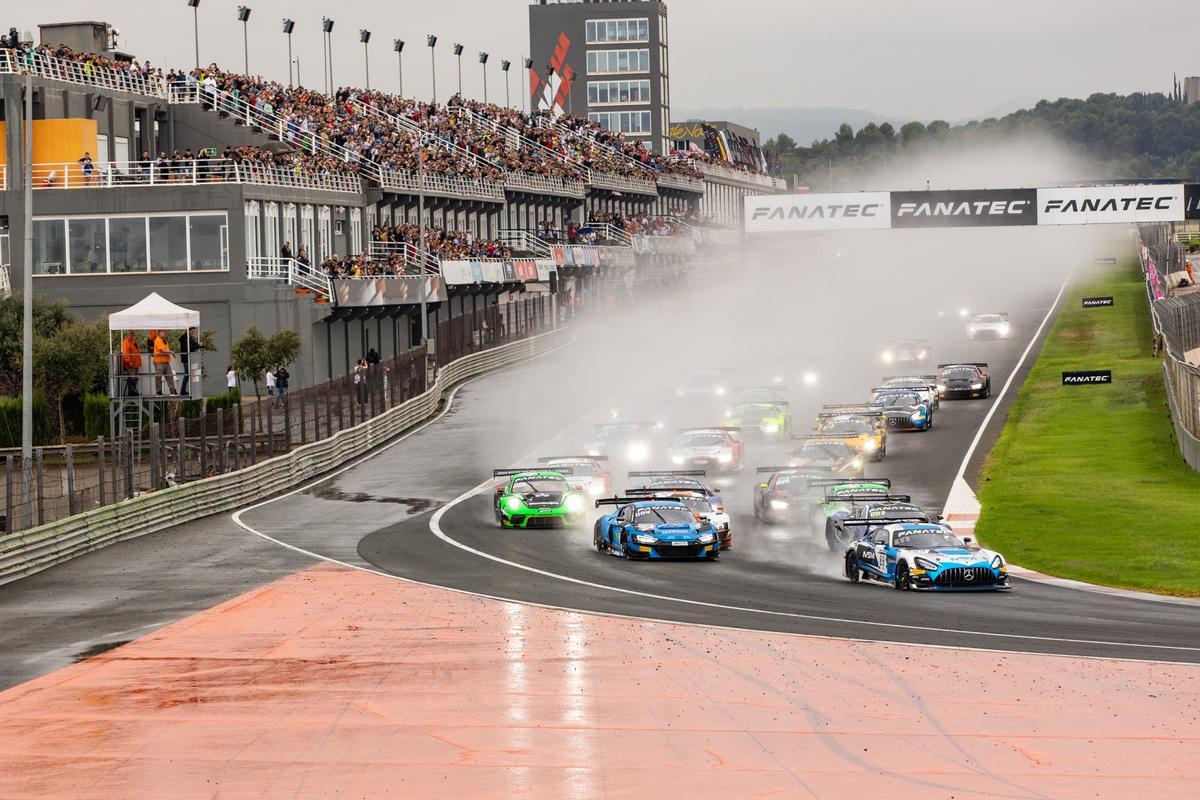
(725,458)
(593,451)
(977,385)
(777,379)
(997,562)
(856,463)
(1004,329)
(679,392)
(925,563)
(772,428)
(963,312)
(779,505)
(941,388)
(637,451)
(706,538)
(574,503)
(871,445)
(677,459)
(720,390)
(728,413)
(924,354)
(643,538)
(513,503)
(810,379)
(887,357)
(595,489)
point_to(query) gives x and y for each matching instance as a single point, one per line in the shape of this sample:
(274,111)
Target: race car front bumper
(674,551)
(960,579)
(707,464)
(537,520)
(963,394)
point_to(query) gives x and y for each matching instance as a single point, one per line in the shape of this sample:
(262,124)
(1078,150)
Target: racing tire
(597,542)
(902,581)
(988,392)
(625,547)
(851,569)
(831,537)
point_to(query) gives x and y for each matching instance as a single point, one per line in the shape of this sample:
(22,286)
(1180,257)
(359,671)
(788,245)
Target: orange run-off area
(338,683)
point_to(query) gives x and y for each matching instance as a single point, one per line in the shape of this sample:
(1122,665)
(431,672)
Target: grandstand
(284,207)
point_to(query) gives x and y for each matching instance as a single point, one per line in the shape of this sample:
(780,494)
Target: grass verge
(1086,482)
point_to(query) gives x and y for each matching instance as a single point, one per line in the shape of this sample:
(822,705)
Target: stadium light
(431,40)
(528,62)
(483,57)
(288,27)
(398,46)
(458,51)
(364,36)
(243,14)
(504,65)
(194,5)
(327,30)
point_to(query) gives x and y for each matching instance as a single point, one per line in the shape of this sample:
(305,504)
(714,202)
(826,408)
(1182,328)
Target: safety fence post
(8,494)
(203,445)
(100,465)
(70,455)
(40,487)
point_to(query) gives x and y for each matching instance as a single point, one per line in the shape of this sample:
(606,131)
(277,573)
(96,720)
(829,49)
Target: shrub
(95,415)
(10,420)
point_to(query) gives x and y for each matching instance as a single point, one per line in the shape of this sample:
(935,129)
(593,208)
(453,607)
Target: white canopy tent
(153,312)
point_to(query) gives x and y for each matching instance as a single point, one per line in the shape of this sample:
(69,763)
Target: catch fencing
(59,482)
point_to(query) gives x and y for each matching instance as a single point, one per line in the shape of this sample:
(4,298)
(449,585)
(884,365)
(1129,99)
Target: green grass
(1086,482)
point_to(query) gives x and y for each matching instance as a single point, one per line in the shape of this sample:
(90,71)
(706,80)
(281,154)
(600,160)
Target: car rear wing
(865,497)
(624,501)
(980,364)
(504,473)
(814,483)
(849,411)
(710,428)
(926,378)
(879,523)
(657,491)
(762,470)
(819,436)
(548,459)
(667,473)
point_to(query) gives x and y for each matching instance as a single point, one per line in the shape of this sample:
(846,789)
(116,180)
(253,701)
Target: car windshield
(702,439)
(539,485)
(895,512)
(671,481)
(906,383)
(756,411)
(961,373)
(827,450)
(847,426)
(663,515)
(606,432)
(925,539)
(989,319)
(896,400)
(697,504)
(577,467)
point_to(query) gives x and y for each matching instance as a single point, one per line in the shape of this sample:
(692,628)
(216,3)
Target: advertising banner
(493,271)
(510,271)
(1085,376)
(558,253)
(1097,302)
(544,267)
(526,270)
(1191,200)
(1098,205)
(969,208)
(818,212)
(456,273)
(396,291)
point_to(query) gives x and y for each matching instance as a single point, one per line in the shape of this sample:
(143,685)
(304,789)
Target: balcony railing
(683,183)
(84,73)
(736,175)
(5,281)
(121,174)
(409,254)
(523,241)
(450,186)
(622,183)
(289,271)
(544,184)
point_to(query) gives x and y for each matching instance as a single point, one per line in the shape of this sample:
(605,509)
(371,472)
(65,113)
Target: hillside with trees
(1136,136)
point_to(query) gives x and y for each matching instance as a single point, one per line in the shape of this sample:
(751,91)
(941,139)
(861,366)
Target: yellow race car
(864,426)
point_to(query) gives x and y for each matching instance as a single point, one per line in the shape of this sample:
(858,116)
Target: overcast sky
(925,59)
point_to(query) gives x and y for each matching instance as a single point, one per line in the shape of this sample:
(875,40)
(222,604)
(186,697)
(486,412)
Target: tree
(73,360)
(48,319)
(254,354)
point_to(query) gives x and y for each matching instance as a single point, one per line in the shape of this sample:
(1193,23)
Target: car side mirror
(762,486)
(499,490)
(968,540)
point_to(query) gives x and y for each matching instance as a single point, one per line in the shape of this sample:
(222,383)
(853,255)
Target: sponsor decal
(1191,200)
(526,270)
(966,208)
(1097,302)
(1092,205)
(818,212)
(1087,376)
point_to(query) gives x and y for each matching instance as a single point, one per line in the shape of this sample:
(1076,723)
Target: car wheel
(902,581)
(831,536)
(624,547)
(852,571)
(597,541)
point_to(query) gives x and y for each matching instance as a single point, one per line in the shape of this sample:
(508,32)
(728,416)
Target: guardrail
(736,175)
(5,281)
(611,233)
(523,241)
(195,172)
(31,551)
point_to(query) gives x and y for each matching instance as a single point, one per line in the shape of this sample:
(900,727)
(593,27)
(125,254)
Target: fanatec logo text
(978,208)
(1111,204)
(832,211)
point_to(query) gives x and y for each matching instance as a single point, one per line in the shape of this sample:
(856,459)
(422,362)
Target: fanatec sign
(1072,205)
(968,208)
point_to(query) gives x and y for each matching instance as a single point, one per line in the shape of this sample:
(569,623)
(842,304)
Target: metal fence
(61,481)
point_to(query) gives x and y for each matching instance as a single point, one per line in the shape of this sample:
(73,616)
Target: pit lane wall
(31,551)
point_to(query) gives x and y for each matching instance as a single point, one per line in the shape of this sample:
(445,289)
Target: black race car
(963,381)
(892,508)
(783,494)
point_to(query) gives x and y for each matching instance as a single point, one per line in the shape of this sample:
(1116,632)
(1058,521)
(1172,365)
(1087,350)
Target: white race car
(989,326)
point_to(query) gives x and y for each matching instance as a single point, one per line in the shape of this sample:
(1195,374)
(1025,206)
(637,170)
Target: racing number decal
(881,558)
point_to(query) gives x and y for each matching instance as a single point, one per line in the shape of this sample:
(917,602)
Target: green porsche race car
(537,498)
(768,419)
(841,497)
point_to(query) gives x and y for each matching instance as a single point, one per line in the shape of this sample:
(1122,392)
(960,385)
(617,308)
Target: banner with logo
(544,267)
(395,291)
(493,271)
(526,269)
(818,212)
(558,253)
(510,271)
(1098,205)
(964,209)
(456,273)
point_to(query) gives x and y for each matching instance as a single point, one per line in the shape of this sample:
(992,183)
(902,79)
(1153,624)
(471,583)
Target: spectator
(282,376)
(360,384)
(131,364)
(285,252)
(88,168)
(162,365)
(188,344)
(372,357)
(270,383)
(231,379)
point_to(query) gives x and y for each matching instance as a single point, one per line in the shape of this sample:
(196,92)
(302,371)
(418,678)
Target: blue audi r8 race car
(904,409)
(654,529)
(908,555)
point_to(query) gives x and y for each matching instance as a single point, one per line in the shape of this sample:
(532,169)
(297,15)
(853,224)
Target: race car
(834,452)
(691,480)
(803,373)
(924,385)
(537,498)
(707,384)
(906,353)
(587,474)
(698,501)
(654,412)
(633,442)
(873,510)
(841,500)
(785,495)
(963,381)
(916,555)
(768,419)
(760,394)
(642,528)
(989,326)
(904,409)
(708,448)
(866,423)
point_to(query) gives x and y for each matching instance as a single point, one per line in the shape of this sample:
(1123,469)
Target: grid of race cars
(829,484)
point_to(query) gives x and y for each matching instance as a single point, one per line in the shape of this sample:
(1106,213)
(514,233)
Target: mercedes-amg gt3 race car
(764,419)
(915,555)
(989,326)
(965,380)
(652,529)
(718,449)
(586,474)
(833,452)
(924,385)
(865,423)
(904,409)
(537,498)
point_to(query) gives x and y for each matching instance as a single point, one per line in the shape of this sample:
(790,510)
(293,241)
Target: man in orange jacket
(131,364)
(162,365)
